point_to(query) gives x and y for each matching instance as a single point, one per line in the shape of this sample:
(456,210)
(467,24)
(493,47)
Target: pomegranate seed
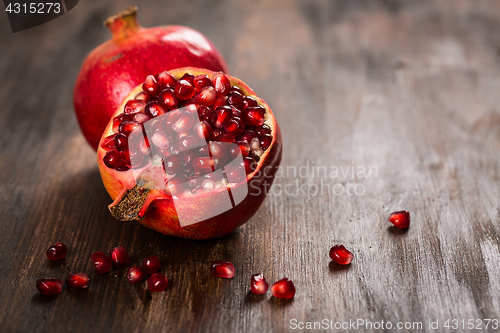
(78,280)
(236,99)
(154,109)
(259,284)
(220,101)
(57,251)
(119,119)
(225,138)
(254,116)
(166,79)
(157,282)
(247,136)
(108,143)
(265,141)
(244,148)
(188,142)
(151,264)
(119,257)
(250,164)
(102,262)
(112,159)
(204,131)
(201,81)
(205,113)
(400,219)
(188,77)
(221,84)
(341,255)
(206,96)
(184,89)
(222,269)
(217,132)
(283,288)
(236,112)
(176,185)
(151,86)
(235,173)
(136,274)
(264,129)
(223,115)
(203,165)
(134,106)
(167,97)
(161,140)
(249,101)
(218,151)
(121,142)
(172,164)
(141,118)
(142,96)
(128,126)
(234,127)
(237,89)
(49,287)
(184,123)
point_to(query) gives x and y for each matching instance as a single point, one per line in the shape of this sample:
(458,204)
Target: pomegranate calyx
(124,24)
(131,205)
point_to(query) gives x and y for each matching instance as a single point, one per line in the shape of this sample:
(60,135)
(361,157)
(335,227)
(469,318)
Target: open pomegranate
(190,153)
(114,68)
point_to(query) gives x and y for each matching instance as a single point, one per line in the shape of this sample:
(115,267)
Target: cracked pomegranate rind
(200,154)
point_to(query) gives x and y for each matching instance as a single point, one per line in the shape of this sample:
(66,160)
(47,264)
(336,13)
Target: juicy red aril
(341,255)
(219,101)
(254,116)
(247,136)
(151,264)
(221,84)
(157,282)
(134,106)
(128,126)
(57,251)
(201,81)
(259,284)
(188,77)
(121,142)
(184,123)
(236,112)
(249,164)
(154,109)
(265,140)
(283,288)
(112,159)
(151,86)
(204,131)
(49,287)
(172,164)
(166,79)
(119,119)
(203,165)
(167,97)
(188,142)
(141,118)
(249,101)
(264,129)
(142,96)
(136,274)
(184,89)
(218,151)
(236,99)
(119,257)
(234,126)
(244,148)
(78,280)
(108,143)
(102,262)
(225,138)
(223,115)
(237,89)
(206,96)
(205,113)
(161,140)
(400,219)
(222,269)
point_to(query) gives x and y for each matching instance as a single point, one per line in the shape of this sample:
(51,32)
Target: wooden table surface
(410,89)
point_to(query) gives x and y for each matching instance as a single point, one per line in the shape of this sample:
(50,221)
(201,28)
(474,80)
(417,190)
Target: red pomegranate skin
(114,68)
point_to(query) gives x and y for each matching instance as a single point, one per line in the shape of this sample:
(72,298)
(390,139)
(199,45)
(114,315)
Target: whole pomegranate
(114,68)
(190,153)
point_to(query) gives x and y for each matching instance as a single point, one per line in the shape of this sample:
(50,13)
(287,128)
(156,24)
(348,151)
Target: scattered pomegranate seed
(102,262)
(57,251)
(283,288)
(221,84)
(151,264)
(119,257)
(400,219)
(222,269)
(157,282)
(259,284)
(49,287)
(341,255)
(78,280)
(136,274)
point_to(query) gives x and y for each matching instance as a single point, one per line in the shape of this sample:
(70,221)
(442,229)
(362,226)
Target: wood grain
(408,88)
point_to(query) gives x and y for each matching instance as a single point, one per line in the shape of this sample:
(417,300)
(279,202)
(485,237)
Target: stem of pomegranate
(124,24)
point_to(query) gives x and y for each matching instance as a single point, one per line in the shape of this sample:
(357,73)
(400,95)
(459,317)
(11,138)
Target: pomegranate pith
(283,288)
(341,255)
(157,282)
(400,219)
(222,269)
(49,287)
(259,284)
(57,251)
(78,280)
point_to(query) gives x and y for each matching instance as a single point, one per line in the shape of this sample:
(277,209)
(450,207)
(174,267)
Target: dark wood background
(411,88)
